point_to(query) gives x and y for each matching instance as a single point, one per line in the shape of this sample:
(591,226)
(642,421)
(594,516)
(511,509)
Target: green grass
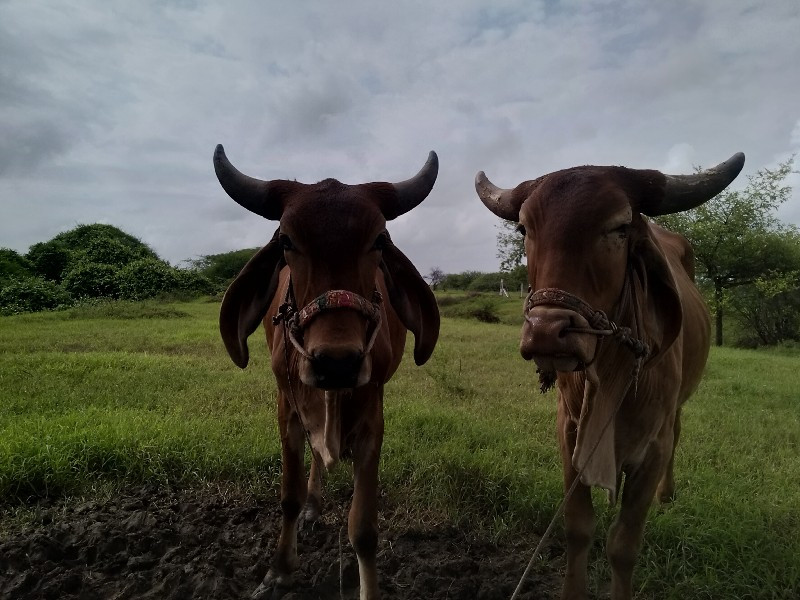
(130,393)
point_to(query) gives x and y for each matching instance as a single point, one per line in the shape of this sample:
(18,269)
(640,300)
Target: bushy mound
(31,295)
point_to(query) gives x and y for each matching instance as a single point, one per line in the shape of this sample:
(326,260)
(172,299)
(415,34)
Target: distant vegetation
(90,262)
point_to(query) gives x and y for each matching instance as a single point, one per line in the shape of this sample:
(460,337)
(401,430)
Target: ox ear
(247,299)
(412,300)
(660,310)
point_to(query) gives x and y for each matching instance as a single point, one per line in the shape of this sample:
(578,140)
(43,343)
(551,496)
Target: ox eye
(520,229)
(285,242)
(621,231)
(381,242)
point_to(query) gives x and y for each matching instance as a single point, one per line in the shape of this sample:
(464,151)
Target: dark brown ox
(320,282)
(615,320)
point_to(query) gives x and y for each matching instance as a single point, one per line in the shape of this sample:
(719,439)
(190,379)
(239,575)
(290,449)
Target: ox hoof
(311,513)
(274,587)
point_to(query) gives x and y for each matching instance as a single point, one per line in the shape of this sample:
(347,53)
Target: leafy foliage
(49,260)
(13,266)
(510,245)
(146,278)
(31,295)
(92,280)
(223,268)
(84,237)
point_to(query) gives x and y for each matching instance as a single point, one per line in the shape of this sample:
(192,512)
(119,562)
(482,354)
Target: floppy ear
(659,301)
(247,299)
(412,300)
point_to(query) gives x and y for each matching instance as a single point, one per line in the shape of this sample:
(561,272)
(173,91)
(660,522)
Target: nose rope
(295,321)
(599,323)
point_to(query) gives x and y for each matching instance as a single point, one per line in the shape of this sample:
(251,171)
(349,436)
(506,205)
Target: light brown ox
(589,249)
(331,250)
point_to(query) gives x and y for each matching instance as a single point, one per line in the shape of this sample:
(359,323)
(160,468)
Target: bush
(13,266)
(49,260)
(193,283)
(486,312)
(83,237)
(222,268)
(108,251)
(92,280)
(31,295)
(146,278)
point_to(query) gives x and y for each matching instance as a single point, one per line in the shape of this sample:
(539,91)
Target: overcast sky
(110,111)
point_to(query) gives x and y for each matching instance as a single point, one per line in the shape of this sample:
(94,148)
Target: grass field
(128,393)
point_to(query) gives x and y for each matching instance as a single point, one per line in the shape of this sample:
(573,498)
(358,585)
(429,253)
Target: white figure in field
(503,291)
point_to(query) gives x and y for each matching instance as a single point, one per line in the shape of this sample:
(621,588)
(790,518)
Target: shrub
(92,280)
(486,312)
(146,278)
(31,295)
(49,260)
(13,266)
(108,251)
(191,282)
(222,268)
(84,236)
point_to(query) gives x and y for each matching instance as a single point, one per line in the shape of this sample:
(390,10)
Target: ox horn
(413,191)
(249,192)
(683,192)
(497,200)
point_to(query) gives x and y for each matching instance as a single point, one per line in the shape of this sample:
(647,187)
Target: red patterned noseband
(295,321)
(341,299)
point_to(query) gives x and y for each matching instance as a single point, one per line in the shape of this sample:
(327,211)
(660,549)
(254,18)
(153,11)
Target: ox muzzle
(562,332)
(331,367)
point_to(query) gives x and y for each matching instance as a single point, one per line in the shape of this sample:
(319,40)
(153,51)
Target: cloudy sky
(110,110)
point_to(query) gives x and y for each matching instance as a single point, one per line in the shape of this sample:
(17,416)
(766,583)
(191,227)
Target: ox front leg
(293,494)
(579,521)
(362,525)
(313,508)
(626,533)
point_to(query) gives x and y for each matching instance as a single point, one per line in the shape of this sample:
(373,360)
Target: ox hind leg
(626,533)
(293,495)
(666,488)
(579,521)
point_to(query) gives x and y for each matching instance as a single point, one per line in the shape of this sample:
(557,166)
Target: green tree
(49,260)
(510,245)
(222,268)
(737,237)
(13,266)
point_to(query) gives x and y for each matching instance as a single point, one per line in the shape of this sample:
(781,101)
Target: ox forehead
(330,214)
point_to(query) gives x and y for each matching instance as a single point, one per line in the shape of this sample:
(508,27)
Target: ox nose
(336,370)
(546,339)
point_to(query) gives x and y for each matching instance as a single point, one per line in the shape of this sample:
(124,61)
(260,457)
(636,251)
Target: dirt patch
(155,543)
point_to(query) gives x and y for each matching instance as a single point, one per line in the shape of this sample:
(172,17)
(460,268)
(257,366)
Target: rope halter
(295,321)
(599,323)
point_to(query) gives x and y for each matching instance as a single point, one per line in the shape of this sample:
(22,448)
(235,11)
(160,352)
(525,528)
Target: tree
(223,268)
(737,238)
(436,276)
(510,245)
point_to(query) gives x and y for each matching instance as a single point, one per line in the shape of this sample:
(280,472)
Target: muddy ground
(155,543)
